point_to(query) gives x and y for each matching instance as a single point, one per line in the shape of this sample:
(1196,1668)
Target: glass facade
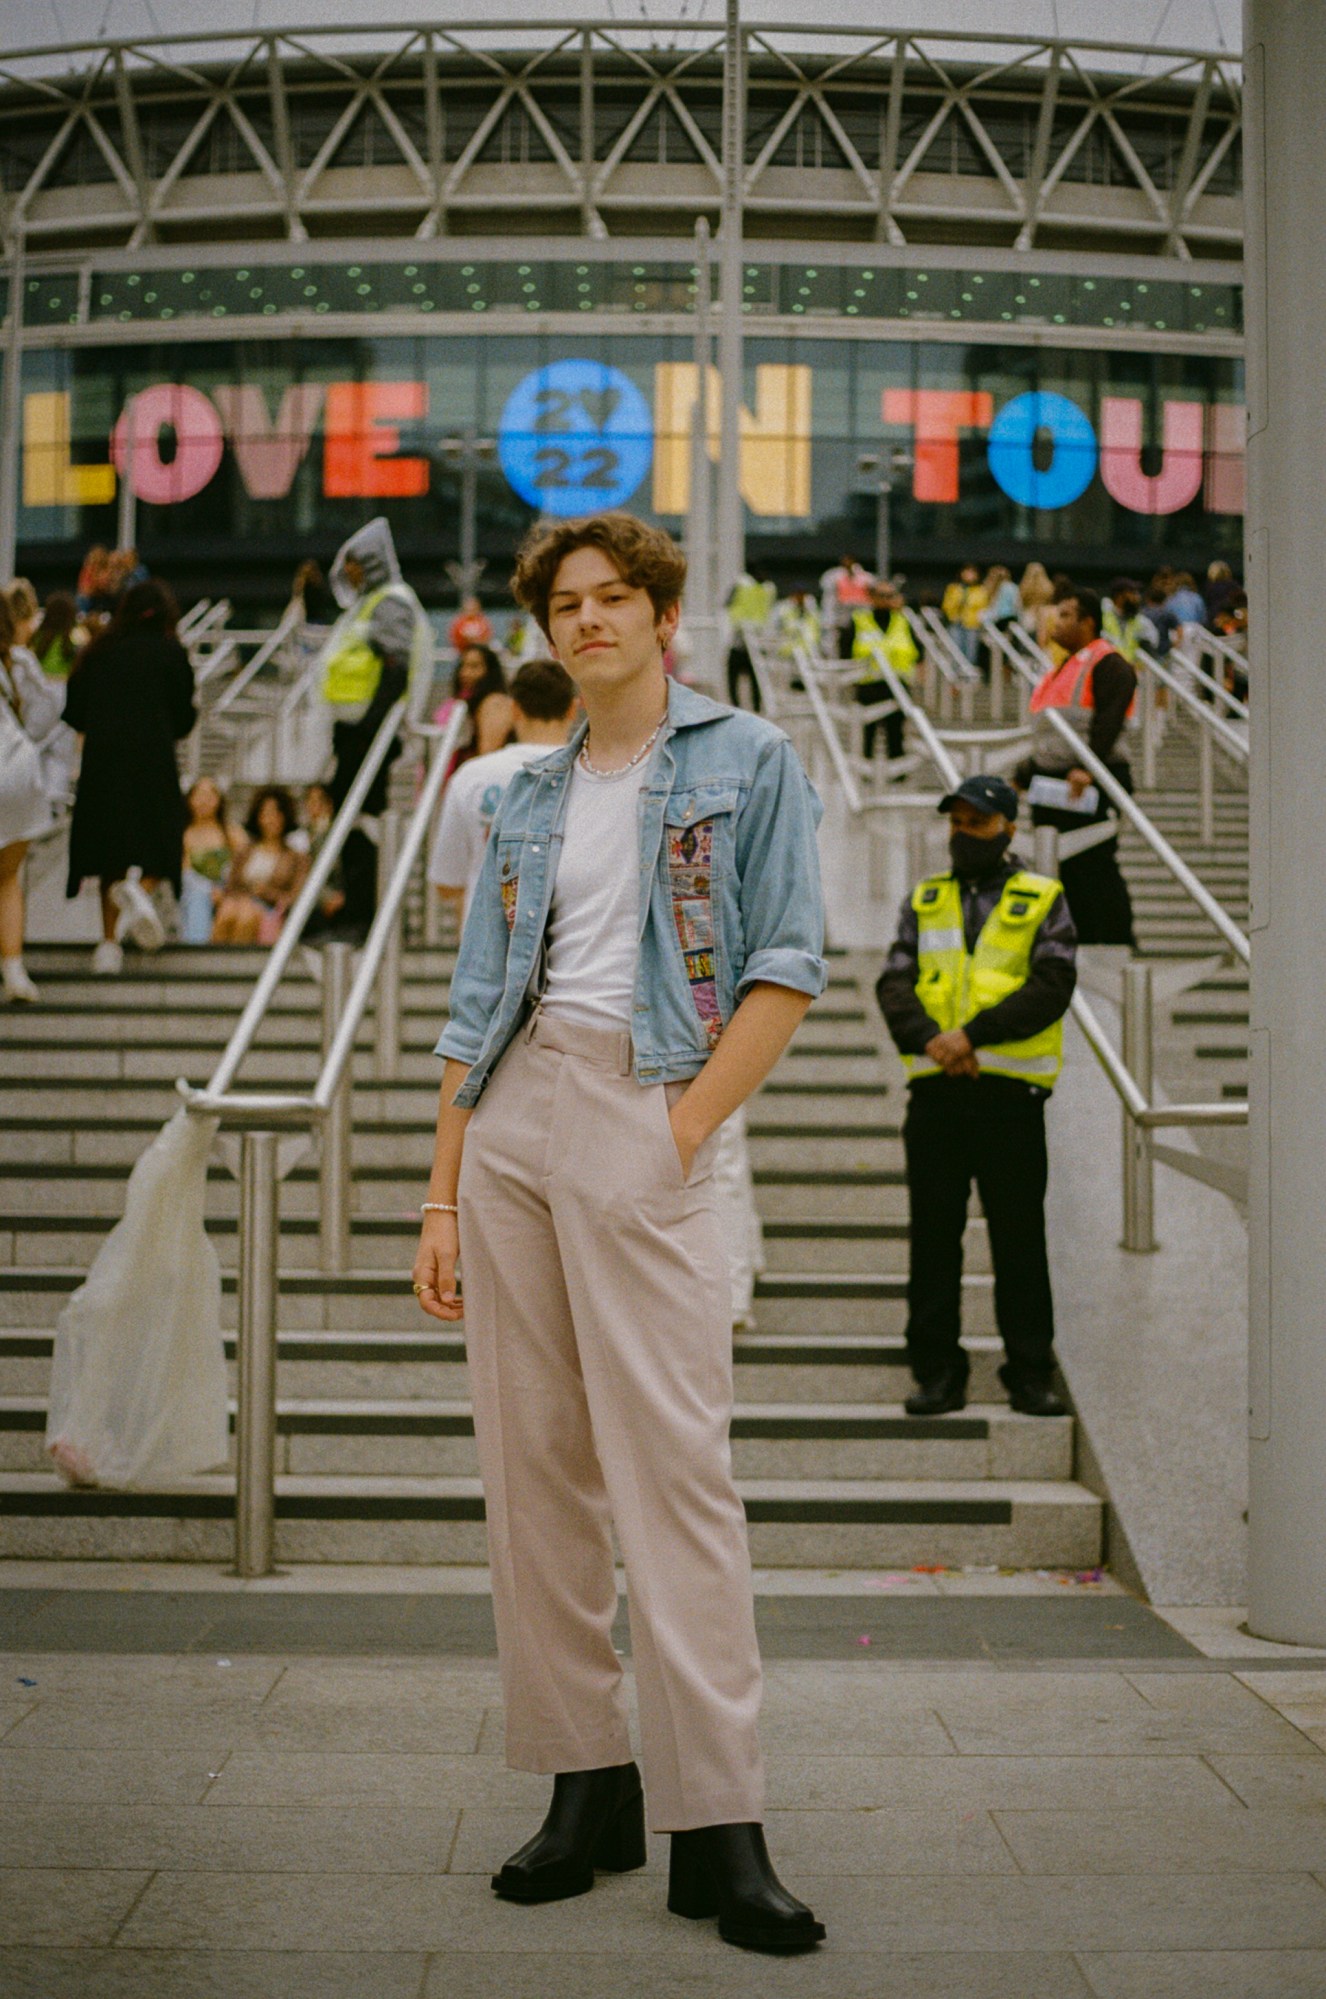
(849,291)
(250,454)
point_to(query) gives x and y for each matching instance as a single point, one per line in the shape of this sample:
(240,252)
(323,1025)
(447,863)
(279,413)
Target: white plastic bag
(138,1378)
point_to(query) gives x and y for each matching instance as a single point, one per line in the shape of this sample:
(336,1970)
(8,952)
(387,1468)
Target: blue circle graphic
(575,436)
(1013,434)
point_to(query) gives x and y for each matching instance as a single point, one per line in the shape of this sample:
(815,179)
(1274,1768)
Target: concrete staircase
(376,1449)
(1202,1035)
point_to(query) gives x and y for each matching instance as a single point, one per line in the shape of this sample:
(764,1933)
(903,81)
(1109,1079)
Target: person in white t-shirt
(543,695)
(645,937)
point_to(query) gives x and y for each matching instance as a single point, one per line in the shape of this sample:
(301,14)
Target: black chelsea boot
(596,1820)
(725,1871)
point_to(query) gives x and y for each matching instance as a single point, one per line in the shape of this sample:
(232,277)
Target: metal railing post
(387,1013)
(1206,784)
(1139,1169)
(916,851)
(967,700)
(432,929)
(1046,849)
(1148,690)
(255,1423)
(334,1165)
(996,685)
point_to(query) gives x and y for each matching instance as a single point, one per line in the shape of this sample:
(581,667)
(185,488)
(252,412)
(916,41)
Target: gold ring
(419,1289)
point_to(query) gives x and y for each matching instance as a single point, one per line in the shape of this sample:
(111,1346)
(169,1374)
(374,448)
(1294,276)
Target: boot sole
(773,1943)
(532,1893)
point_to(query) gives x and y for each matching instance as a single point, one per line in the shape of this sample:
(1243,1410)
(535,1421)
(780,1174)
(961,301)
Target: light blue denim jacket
(729,892)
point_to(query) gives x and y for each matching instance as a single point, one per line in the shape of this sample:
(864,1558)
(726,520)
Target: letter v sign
(269,453)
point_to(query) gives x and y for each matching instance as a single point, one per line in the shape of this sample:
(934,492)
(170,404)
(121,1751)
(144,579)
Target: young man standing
(543,697)
(645,937)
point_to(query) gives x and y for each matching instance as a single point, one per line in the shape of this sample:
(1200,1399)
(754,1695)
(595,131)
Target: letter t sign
(936,417)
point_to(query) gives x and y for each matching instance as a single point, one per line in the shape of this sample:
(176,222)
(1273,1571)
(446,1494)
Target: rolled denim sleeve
(782,904)
(478,981)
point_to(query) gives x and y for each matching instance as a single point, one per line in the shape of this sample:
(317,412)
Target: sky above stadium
(1214,25)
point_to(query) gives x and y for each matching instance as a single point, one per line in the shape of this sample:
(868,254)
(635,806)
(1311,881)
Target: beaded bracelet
(438,1208)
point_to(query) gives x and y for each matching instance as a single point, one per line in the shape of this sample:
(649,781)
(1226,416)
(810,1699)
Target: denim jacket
(729,892)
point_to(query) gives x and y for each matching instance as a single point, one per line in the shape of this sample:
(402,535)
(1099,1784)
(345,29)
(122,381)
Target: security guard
(974,992)
(880,631)
(751,603)
(380,648)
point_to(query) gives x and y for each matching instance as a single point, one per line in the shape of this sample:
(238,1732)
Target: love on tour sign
(577,434)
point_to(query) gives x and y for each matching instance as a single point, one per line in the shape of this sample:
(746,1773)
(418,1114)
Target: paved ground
(1035,1816)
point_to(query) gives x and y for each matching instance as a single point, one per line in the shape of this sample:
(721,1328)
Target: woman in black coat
(131,699)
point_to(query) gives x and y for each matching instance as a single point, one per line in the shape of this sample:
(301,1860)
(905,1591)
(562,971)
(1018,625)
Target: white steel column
(1285,201)
(11,406)
(731,536)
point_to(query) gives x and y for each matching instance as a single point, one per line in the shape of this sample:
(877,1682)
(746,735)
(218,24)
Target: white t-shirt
(469,802)
(593,929)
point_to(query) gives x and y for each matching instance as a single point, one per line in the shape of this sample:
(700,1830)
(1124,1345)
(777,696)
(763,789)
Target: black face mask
(971,856)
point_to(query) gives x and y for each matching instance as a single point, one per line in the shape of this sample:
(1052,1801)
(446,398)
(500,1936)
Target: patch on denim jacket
(510,890)
(690,873)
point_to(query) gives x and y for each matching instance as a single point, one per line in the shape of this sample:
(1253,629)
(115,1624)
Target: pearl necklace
(593,770)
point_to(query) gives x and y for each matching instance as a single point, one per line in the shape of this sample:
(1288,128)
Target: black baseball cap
(985,793)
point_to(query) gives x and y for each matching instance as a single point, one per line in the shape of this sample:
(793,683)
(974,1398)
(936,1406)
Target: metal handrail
(936,642)
(1132,811)
(1222,693)
(1224,732)
(261,1116)
(212,1099)
(1208,641)
(274,639)
(819,706)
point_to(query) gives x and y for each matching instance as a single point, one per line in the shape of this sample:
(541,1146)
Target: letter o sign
(1012,450)
(136,442)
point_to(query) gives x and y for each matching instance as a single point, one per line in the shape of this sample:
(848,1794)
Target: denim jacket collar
(686,707)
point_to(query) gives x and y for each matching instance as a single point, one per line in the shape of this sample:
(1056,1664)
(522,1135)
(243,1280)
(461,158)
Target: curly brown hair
(645,557)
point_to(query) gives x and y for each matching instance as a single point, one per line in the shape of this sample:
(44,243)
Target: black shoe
(725,1871)
(596,1820)
(940,1397)
(1035,1398)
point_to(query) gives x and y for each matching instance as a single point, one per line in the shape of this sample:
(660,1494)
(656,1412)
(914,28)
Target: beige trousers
(599,1340)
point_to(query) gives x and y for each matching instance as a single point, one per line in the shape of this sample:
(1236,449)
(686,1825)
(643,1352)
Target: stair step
(793,1523)
(423,1437)
(786,1301)
(418,1361)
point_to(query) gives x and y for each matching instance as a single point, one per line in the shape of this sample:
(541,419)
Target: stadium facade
(284,278)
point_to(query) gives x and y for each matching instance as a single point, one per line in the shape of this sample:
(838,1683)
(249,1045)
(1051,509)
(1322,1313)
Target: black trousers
(742,686)
(869,693)
(991,1130)
(1094,886)
(351,743)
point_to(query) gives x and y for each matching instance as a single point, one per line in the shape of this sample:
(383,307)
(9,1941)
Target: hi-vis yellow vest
(353,668)
(954,985)
(894,641)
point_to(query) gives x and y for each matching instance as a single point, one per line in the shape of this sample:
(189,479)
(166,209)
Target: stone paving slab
(933,1913)
(221,1974)
(836,1975)
(1017,1829)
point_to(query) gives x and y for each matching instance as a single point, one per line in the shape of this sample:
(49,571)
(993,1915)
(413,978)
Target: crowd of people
(98,693)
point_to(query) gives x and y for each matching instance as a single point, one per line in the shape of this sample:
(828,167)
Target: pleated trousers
(599,1339)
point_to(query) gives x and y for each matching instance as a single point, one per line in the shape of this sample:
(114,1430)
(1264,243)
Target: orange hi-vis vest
(1071,690)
